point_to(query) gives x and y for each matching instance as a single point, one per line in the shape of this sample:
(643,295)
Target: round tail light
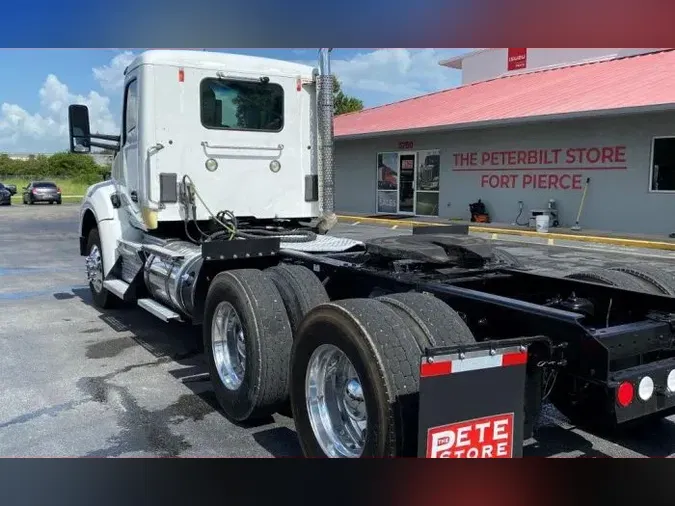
(624,394)
(670,381)
(646,388)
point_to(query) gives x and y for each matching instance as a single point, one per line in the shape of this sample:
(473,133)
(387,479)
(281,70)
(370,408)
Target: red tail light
(34,191)
(624,394)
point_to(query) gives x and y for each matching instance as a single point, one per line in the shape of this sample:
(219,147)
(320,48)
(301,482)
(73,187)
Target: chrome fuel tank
(172,281)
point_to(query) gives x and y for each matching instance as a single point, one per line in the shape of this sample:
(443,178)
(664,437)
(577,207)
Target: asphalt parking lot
(76,382)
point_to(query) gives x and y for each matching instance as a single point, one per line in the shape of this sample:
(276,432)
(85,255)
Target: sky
(39,85)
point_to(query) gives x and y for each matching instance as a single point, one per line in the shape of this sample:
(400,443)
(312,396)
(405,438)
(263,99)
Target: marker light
(211,165)
(670,381)
(624,394)
(645,388)
(275,166)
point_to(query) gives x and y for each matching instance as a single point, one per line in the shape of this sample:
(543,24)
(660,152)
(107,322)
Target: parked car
(41,191)
(5,196)
(10,187)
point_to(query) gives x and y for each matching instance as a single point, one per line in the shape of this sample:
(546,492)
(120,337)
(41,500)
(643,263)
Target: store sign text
(539,169)
(517,58)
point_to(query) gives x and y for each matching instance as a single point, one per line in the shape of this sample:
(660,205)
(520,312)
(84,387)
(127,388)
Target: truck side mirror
(78,123)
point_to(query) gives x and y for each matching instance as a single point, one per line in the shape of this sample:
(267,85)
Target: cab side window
(130,119)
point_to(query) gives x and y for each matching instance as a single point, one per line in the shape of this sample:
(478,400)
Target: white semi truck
(437,344)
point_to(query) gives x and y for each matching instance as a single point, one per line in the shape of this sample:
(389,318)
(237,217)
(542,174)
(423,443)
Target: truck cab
(237,133)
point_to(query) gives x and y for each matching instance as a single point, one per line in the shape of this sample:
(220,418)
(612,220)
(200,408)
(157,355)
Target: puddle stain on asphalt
(49,411)
(19,271)
(109,348)
(39,293)
(143,430)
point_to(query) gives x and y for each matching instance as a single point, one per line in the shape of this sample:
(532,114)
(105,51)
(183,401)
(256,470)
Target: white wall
(617,200)
(493,62)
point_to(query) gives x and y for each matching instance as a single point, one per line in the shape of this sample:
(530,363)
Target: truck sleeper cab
(397,346)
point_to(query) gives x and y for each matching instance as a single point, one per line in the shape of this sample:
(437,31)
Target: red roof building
(530,135)
(575,91)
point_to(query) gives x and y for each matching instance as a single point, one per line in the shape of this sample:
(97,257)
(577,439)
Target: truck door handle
(134,196)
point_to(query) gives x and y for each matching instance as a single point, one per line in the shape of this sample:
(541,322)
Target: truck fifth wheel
(217,213)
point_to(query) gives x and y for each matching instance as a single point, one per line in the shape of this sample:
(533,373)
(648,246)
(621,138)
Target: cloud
(47,129)
(395,74)
(111,76)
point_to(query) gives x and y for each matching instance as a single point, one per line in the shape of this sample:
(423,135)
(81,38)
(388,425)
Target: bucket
(542,222)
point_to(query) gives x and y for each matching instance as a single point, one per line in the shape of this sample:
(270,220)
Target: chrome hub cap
(228,345)
(335,403)
(94,267)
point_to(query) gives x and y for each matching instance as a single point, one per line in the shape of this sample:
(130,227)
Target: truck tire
(248,360)
(364,347)
(101,296)
(662,280)
(507,258)
(432,322)
(299,288)
(618,279)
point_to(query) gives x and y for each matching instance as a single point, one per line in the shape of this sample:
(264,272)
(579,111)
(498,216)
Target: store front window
(428,178)
(387,183)
(408,182)
(663,165)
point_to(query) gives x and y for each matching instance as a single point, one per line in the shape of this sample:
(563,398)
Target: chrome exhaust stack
(325,160)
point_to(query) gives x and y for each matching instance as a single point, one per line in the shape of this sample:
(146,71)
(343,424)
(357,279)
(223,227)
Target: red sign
(405,145)
(517,58)
(488,437)
(539,169)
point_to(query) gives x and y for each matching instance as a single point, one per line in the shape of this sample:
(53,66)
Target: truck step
(162,252)
(116,286)
(130,244)
(160,311)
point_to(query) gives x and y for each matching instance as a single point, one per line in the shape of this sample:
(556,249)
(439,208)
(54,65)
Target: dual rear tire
(349,370)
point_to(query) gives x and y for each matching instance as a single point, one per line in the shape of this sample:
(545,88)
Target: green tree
(344,103)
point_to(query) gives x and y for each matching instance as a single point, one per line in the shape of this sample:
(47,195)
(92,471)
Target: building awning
(640,83)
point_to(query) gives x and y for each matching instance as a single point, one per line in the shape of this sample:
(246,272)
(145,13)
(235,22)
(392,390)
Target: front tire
(94,265)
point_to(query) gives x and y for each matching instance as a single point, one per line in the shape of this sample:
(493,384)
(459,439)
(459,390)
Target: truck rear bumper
(643,390)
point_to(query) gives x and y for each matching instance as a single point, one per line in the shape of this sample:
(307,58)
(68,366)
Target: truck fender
(97,211)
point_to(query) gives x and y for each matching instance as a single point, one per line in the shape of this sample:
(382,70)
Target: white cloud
(395,73)
(46,130)
(111,76)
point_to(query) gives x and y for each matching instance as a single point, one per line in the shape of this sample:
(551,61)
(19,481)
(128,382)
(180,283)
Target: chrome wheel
(335,403)
(228,345)
(94,267)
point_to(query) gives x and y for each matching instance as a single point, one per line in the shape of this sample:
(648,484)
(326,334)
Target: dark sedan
(41,191)
(5,196)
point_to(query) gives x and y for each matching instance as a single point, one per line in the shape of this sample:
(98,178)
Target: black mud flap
(472,401)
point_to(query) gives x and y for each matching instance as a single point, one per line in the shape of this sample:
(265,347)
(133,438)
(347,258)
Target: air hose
(228,221)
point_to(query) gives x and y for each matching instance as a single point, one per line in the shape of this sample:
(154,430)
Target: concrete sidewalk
(504,232)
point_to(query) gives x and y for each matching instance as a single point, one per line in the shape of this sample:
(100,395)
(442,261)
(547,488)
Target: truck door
(129,150)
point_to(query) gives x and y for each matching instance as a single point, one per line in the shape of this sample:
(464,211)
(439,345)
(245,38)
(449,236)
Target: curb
(549,237)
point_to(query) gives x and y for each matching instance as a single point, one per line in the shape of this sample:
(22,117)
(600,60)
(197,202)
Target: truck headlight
(275,166)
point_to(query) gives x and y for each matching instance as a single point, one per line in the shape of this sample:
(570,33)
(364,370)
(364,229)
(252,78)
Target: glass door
(387,183)
(428,179)
(406,182)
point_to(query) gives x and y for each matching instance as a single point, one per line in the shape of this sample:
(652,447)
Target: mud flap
(472,400)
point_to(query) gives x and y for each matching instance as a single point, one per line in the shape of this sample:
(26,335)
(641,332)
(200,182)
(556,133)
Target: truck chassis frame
(583,340)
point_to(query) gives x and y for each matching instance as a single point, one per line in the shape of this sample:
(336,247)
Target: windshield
(242,105)
(44,185)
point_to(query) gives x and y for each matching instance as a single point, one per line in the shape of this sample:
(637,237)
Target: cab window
(242,105)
